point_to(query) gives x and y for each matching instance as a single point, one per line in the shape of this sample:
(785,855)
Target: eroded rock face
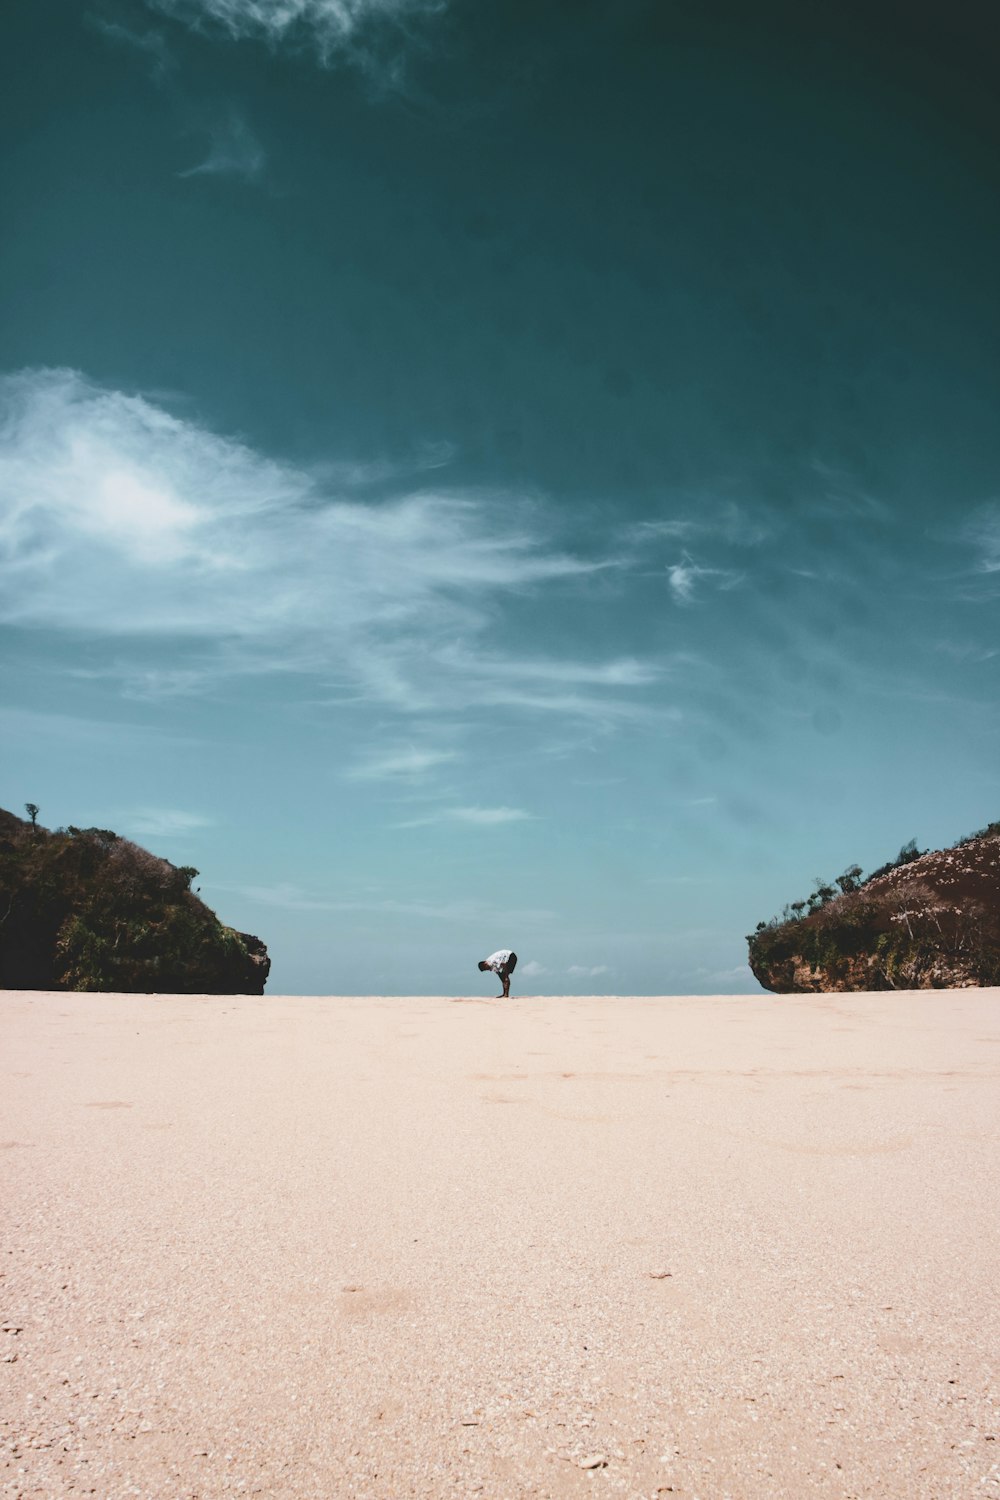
(82,909)
(930,923)
(259,964)
(794,976)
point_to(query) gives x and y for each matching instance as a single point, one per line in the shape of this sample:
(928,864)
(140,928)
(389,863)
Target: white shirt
(497,960)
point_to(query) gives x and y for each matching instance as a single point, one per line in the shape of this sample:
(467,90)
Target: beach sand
(324,1247)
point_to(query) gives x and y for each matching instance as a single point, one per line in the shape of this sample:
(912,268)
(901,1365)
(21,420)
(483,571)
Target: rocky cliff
(82,909)
(927,921)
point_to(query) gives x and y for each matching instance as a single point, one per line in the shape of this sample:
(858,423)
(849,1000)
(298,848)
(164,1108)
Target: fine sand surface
(324,1247)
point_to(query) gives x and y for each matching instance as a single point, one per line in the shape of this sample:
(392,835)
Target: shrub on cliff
(924,920)
(83,909)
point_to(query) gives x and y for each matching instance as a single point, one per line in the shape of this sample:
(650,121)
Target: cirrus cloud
(476,817)
(163,822)
(406,763)
(123,522)
(982,531)
(685,575)
(233,150)
(369,34)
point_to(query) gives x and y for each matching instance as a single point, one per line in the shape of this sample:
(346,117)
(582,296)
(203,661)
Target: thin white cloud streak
(150,684)
(739,972)
(842,498)
(545,685)
(357,474)
(281,895)
(162,822)
(289,897)
(234,151)
(151,43)
(286,897)
(477,817)
(983,533)
(39,731)
(967,651)
(489,817)
(121,520)
(644,532)
(622,672)
(582,970)
(728,522)
(366,33)
(406,763)
(531,969)
(602,710)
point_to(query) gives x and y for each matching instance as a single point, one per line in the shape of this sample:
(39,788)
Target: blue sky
(501,475)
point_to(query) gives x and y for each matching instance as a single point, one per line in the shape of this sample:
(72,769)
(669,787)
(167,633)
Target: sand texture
(709,1247)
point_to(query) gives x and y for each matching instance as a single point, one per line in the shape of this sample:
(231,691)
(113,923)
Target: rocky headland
(927,920)
(84,909)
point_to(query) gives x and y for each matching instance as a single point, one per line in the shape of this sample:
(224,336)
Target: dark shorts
(511,964)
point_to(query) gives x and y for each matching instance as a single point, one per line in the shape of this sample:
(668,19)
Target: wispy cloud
(152,44)
(842,497)
(583,971)
(644,532)
(284,896)
(685,576)
(740,974)
(291,897)
(478,817)
(369,34)
(548,685)
(147,684)
(489,817)
(34,728)
(717,528)
(621,672)
(358,474)
(712,521)
(122,521)
(161,822)
(967,651)
(982,532)
(234,151)
(605,710)
(531,969)
(406,763)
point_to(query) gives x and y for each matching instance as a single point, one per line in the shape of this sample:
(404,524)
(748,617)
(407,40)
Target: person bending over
(502,964)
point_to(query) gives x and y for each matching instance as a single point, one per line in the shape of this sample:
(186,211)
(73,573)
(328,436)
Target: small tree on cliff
(32,809)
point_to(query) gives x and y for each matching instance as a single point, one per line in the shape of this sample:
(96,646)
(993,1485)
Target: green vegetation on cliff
(83,909)
(922,921)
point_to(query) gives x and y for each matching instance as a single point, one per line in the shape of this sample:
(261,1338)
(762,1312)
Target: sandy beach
(307,1247)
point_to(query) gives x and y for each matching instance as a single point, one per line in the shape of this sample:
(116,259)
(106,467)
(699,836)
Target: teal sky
(483,475)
